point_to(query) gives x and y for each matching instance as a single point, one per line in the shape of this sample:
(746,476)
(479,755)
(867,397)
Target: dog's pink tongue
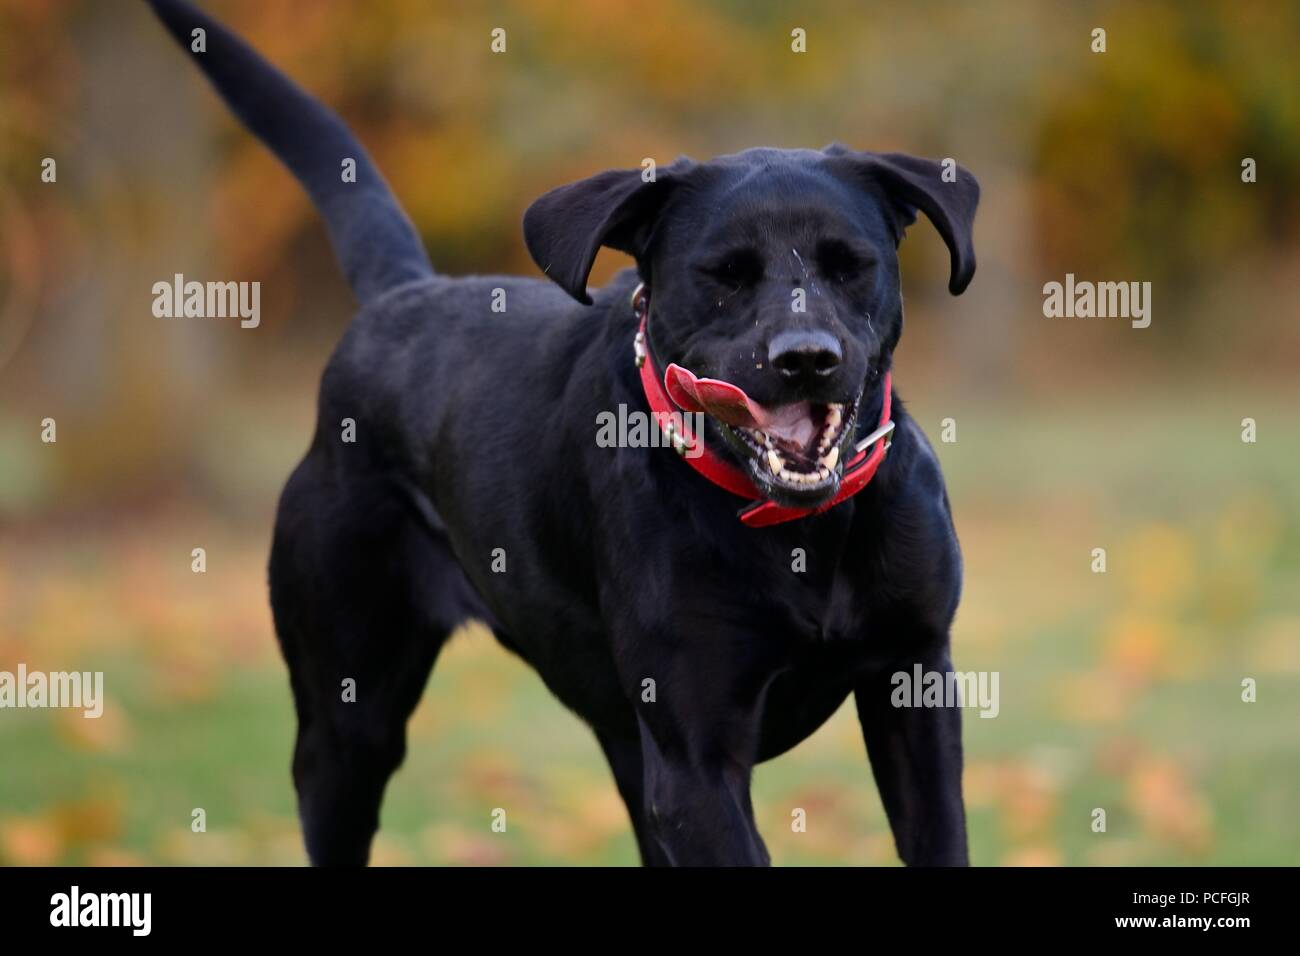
(792,424)
(722,400)
(730,404)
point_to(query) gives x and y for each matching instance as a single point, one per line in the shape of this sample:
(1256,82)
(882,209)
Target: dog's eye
(740,267)
(840,262)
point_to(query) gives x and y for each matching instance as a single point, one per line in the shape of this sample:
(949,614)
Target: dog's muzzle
(800,450)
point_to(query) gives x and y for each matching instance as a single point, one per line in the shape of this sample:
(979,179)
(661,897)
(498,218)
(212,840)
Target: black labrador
(702,611)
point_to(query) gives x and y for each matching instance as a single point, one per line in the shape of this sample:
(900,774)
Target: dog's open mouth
(794,453)
(800,444)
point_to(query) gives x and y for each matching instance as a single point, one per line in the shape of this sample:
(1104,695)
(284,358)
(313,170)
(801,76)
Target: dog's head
(773,275)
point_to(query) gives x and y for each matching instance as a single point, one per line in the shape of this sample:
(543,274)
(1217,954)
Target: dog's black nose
(803,356)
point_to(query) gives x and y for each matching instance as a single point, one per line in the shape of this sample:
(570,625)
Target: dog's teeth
(834,415)
(823,472)
(831,460)
(774,462)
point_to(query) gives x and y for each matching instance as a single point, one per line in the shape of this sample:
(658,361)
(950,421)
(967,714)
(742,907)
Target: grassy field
(1119,690)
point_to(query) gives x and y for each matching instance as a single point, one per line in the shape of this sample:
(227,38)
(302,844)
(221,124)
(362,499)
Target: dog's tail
(373,240)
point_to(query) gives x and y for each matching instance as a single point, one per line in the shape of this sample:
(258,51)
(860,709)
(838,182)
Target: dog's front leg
(916,758)
(698,806)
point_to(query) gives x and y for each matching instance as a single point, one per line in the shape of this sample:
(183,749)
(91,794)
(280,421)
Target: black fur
(476,431)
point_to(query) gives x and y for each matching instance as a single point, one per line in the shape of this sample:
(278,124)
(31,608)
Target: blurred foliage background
(1119,691)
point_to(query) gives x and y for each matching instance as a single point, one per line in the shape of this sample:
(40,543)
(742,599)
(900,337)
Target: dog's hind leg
(364,595)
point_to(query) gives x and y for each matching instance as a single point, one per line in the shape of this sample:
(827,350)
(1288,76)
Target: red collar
(859,469)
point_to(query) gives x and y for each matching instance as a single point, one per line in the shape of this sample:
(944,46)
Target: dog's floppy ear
(910,184)
(565,228)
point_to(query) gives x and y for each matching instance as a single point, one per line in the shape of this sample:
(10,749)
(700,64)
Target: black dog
(694,641)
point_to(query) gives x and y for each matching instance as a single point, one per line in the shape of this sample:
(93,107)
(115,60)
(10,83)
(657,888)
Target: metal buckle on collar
(879,433)
(640,306)
(676,439)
